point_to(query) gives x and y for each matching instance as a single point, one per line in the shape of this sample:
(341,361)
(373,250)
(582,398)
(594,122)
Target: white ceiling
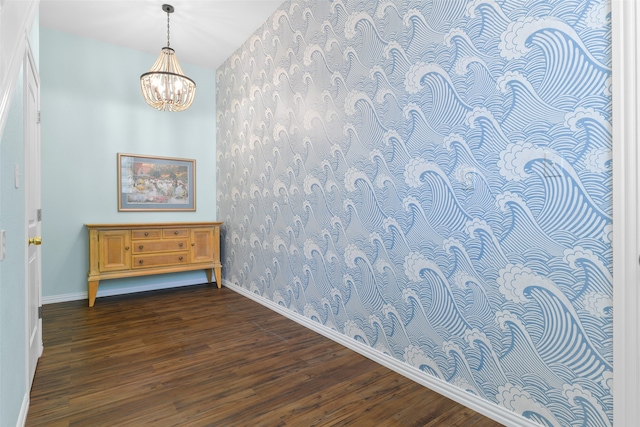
(203,32)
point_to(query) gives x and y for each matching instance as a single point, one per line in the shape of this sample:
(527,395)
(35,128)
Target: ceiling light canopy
(165,87)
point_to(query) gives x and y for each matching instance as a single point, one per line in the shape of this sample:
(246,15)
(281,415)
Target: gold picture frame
(154,183)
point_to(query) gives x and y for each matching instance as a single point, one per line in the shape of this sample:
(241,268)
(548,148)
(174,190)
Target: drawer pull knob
(180,244)
(140,247)
(140,262)
(146,233)
(180,258)
(126,248)
(193,244)
(175,232)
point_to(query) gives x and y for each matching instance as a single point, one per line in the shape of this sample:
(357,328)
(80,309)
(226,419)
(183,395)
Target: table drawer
(146,234)
(175,233)
(160,260)
(145,247)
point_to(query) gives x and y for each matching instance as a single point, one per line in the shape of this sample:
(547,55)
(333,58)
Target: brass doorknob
(35,240)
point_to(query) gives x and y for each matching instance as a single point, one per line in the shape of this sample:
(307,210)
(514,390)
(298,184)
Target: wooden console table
(129,250)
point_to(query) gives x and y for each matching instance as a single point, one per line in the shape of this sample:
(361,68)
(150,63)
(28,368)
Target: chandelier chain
(168,43)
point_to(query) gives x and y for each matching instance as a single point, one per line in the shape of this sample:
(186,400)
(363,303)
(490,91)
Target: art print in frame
(153,183)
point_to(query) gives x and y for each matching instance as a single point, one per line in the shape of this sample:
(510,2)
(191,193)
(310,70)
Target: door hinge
(38,116)
(39,214)
(40,312)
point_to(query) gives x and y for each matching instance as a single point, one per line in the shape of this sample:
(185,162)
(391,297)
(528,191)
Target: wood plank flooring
(202,356)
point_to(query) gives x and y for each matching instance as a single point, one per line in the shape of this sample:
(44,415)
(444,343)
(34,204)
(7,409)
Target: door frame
(16,18)
(29,66)
(625,16)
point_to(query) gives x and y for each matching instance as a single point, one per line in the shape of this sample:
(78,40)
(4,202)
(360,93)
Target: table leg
(219,277)
(93,291)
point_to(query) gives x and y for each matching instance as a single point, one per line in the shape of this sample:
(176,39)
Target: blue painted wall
(433,179)
(92,109)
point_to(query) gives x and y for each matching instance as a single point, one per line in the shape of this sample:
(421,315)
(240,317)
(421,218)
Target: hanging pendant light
(165,87)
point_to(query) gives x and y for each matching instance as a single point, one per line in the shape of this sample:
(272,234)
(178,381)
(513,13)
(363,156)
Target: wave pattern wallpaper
(433,179)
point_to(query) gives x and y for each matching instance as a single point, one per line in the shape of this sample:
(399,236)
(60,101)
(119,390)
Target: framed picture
(152,183)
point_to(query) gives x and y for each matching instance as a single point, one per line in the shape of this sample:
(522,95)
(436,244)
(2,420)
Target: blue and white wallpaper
(433,179)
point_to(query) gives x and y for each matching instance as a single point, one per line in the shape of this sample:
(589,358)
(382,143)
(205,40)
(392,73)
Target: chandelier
(165,87)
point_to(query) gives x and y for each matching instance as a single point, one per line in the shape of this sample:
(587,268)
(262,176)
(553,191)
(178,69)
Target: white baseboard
(24,410)
(489,409)
(63,298)
(121,291)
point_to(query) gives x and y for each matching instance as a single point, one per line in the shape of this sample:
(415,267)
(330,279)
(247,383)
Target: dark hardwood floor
(202,356)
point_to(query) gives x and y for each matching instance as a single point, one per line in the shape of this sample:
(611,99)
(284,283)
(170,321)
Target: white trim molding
(482,406)
(24,410)
(626,322)
(16,18)
(53,299)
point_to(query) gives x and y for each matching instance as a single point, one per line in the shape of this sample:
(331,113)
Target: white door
(33,211)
